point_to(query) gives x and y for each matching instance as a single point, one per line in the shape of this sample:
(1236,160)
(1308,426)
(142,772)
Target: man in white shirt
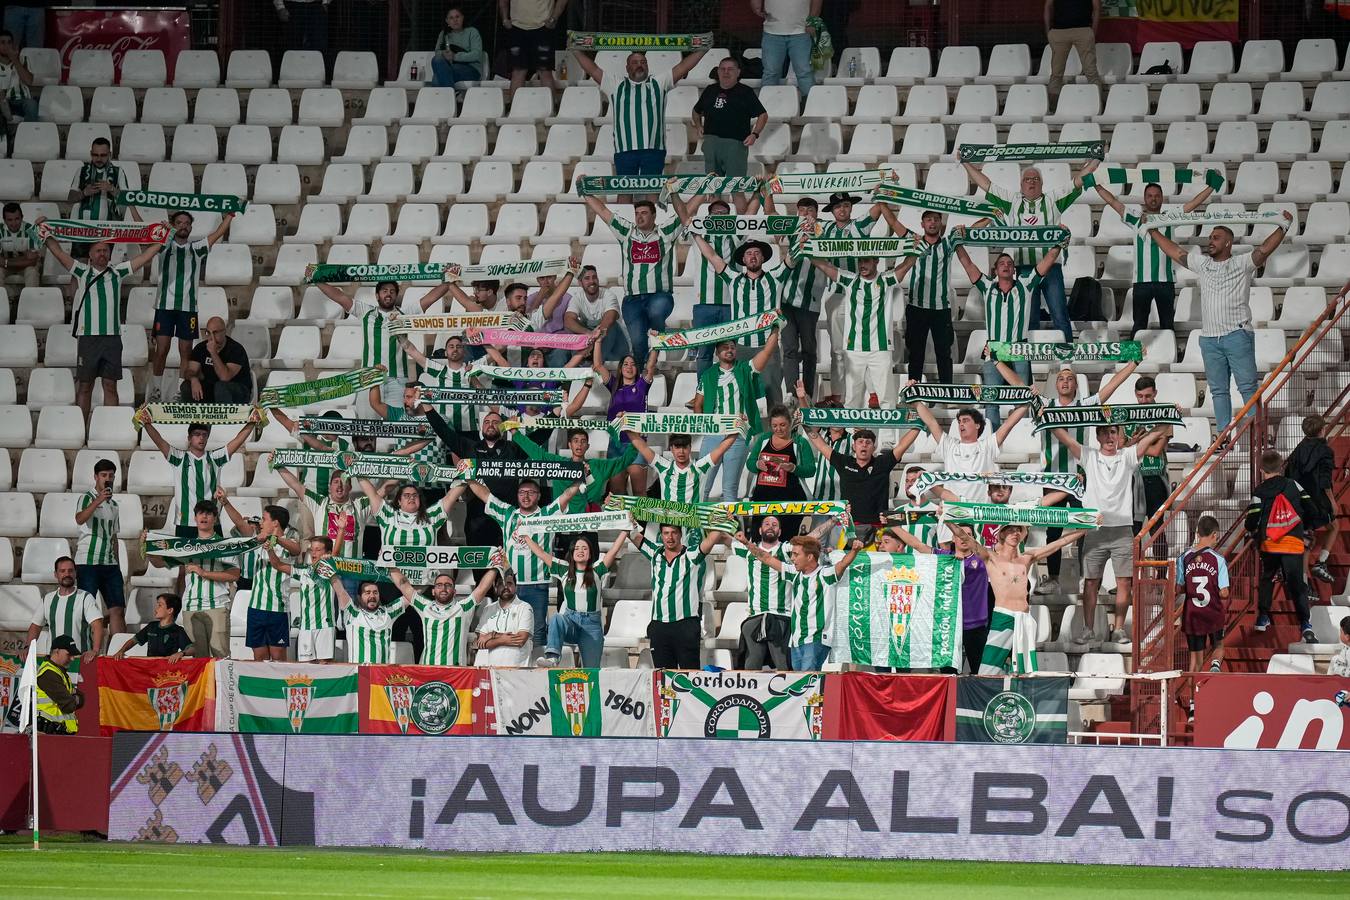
(787,37)
(506,628)
(598,309)
(1110,490)
(1227,342)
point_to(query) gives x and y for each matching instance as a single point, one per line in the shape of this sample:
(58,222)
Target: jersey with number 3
(1202,575)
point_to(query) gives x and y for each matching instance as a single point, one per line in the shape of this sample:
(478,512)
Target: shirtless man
(1011,646)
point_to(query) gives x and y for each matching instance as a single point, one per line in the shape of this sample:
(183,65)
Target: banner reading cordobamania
(427,700)
(740,705)
(574,702)
(899,610)
(271,697)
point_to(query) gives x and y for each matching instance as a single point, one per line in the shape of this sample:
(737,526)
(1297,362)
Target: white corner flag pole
(28,717)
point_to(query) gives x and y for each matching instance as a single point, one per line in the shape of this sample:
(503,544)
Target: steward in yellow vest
(57,700)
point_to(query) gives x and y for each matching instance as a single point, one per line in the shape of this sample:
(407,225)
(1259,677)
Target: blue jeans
(27,24)
(733,459)
(809,657)
(1051,289)
(557,357)
(615,345)
(1232,354)
(631,163)
(776,48)
(536,595)
(642,312)
(709,314)
(583,629)
(445,74)
(992,415)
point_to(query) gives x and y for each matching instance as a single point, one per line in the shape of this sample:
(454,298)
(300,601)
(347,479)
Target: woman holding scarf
(779,461)
(627,394)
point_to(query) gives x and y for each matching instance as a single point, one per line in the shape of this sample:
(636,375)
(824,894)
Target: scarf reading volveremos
(516,268)
(456,323)
(600,185)
(168,546)
(746,226)
(525,373)
(1014,236)
(189,413)
(78,232)
(465,397)
(302,458)
(331,388)
(1211,217)
(612,520)
(828,182)
(679,423)
(672,512)
(1071,482)
(715,334)
(219,203)
(901,196)
(858,248)
(538,469)
(509,337)
(824,417)
(1090,351)
(607,40)
(439,558)
(998,394)
(1144,175)
(377,428)
(1009,514)
(371,273)
(1116,414)
(1001,152)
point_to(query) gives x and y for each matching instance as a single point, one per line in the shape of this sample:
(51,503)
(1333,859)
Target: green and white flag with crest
(283,698)
(574,702)
(901,610)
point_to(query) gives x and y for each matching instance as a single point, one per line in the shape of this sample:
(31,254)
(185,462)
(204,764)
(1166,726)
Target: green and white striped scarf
(330,388)
(680,423)
(219,203)
(859,248)
(716,334)
(824,417)
(1144,175)
(365,570)
(966,394)
(1013,236)
(1115,414)
(1089,351)
(168,546)
(1010,514)
(786,507)
(1058,481)
(985,153)
(1211,217)
(960,206)
(601,185)
(672,512)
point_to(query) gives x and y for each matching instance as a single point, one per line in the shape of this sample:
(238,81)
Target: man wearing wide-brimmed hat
(752,291)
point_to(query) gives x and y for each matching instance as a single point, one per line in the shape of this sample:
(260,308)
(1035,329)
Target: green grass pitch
(98,869)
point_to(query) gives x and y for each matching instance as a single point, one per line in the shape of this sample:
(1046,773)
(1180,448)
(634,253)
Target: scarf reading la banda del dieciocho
(1031,152)
(331,388)
(1010,514)
(925,200)
(825,417)
(1088,351)
(190,413)
(217,203)
(672,512)
(606,40)
(1069,482)
(167,546)
(1013,236)
(1002,394)
(1143,175)
(716,334)
(77,231)
(1048,417)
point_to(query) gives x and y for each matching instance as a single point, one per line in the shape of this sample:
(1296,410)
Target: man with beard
(864,477)
(450,370)
(1154,277)
(479,528)
(507,628)
(182,262)
(648,256)
(69,610)
(597,311)
(218,369)
(752,291)
(768,626)
(445,623)
(869,327)
(803,288)
(929,307)
(1227,343)
(378,346)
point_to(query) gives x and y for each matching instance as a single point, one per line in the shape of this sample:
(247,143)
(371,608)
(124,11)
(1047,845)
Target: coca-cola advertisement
(118,30)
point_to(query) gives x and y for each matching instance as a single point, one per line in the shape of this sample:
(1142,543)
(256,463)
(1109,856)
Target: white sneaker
(1119,636)
(152,391)
(547,661)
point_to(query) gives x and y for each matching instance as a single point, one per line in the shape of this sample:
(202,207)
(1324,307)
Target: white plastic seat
(142,143)
(1210,61)
(1124,103)
(216,106)
(319,106)
(199,69)
(367,222)
(249,145)
(40,307)
(110,429)
(579,103)
(464,141)
(1261,61)
(419,58)
(62,104)
(342,183)
(355,70)
(1229,102)
(303,69)
(1326,223)
(229,264)
(515,222)
(1330,102)
(925,103)
(1099,676)
(16,179)
(1288,140)
(1314,58)
(482,104)
(143,69)
(384,106)
(165,106)
(417,222)
(1185,141)
(491,179)
(301,145)
(1255,182)
(440,180)
(1235,141)
(415,144)
(1177,103)
(875,103)
(256,226)
(530,105)
(279,183)
(871,140)
(57,517)
(1008,64)
(195,144)
(289,267)
(272,305)
(957,65)
(171,176)
(269,106)
(540,180)
(36,141)
(249,69)
(1155,53)
(48,387)
(433,106)
(149,472)
(41,471)
(18,514)
(1290,664)
(297,345)
(1333,266)
(924,142)
(389,183)
(908,65)
(60,427)
(1029,103)
(365,144)
(516,142)
(90,68)
(80,135)
(975,103)
(39,559)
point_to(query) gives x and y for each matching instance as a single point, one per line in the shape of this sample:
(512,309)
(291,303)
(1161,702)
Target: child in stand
(164,636)
(1202,576)
(1340,663)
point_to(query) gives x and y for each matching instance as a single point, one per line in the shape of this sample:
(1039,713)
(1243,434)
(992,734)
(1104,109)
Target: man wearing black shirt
(864,477)
(1072,24)
(219,370)
(732,119)
(164,636)
(479,528)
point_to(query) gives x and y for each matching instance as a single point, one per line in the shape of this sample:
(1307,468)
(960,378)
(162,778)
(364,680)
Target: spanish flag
(156,695)
(427,700)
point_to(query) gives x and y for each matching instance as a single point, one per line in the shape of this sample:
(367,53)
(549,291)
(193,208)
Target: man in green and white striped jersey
(20,249)
(69,610)
(207,588)
(752,290)
(1154,274)
(93,190)
(648,267)
(768,624)
(410,409)
(679,476)
(803,289)
(868,312)
(445,621)
(1030,205)
(268,631)
(198,470)
(97,567)
(378,346)
(929,307)
(96,315)
(676,629)
(315,641)
(369,625)
(637,100)
(182,262)
(451,371)
(733,387)
(1008,300)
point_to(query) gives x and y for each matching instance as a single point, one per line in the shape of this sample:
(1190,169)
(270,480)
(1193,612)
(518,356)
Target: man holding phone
(97,570)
